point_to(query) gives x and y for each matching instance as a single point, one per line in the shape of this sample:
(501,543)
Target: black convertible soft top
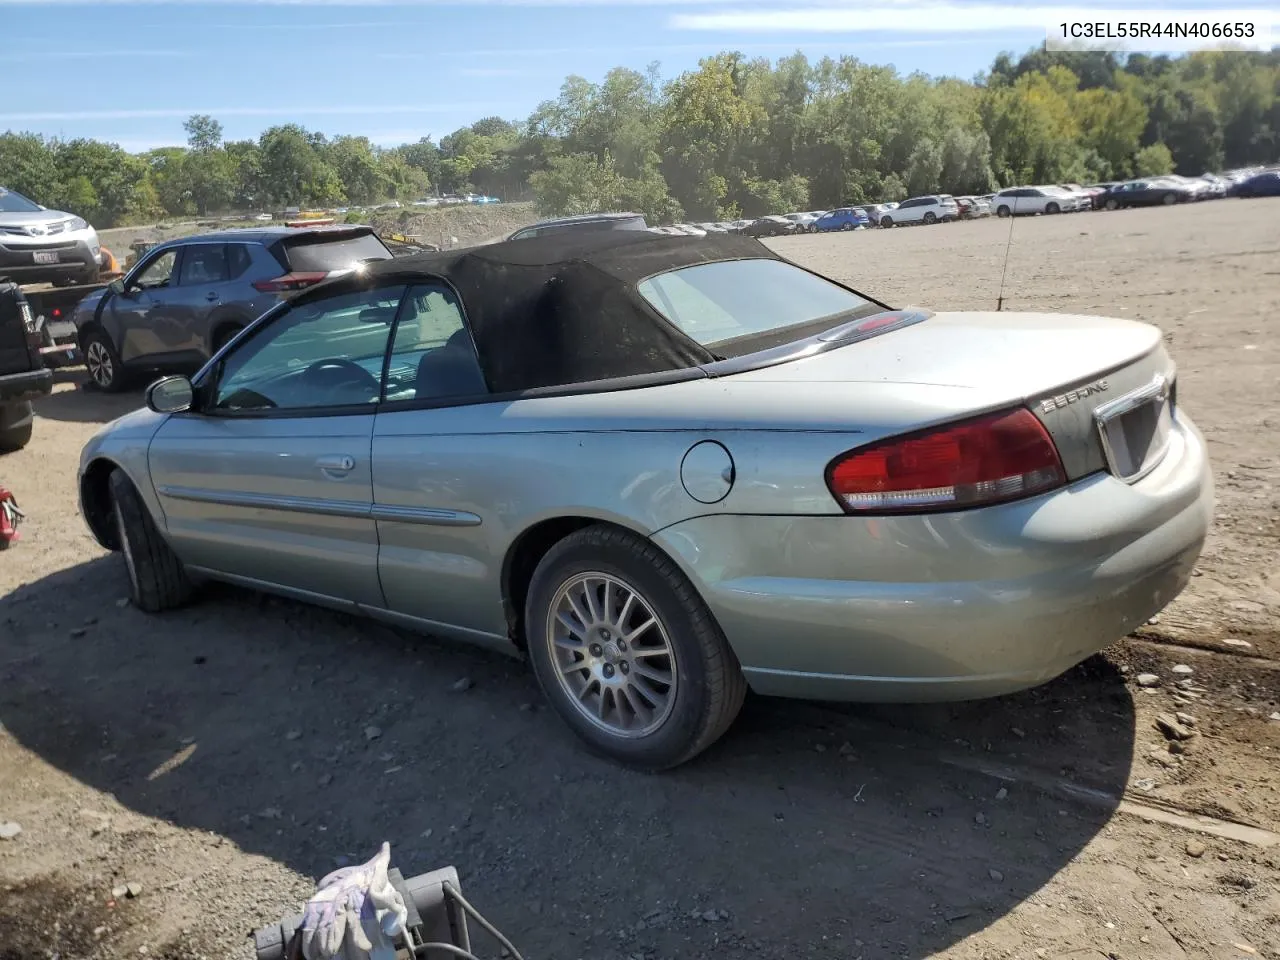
(559,310)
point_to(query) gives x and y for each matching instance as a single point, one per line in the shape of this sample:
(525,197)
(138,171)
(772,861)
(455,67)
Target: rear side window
(731,306)
(320,253)
(204,263)
(239,259)
(432,355)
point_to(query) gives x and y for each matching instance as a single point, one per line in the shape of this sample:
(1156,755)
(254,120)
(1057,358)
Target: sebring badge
(1071,396)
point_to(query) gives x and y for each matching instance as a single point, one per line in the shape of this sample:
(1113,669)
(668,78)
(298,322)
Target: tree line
(735,137)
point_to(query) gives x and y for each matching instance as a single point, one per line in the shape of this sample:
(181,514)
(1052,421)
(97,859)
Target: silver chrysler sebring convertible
(667,469)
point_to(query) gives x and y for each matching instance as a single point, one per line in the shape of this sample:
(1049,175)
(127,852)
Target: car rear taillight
(290,282)
(974,463)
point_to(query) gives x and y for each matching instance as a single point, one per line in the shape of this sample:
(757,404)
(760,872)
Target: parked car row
(1045,199)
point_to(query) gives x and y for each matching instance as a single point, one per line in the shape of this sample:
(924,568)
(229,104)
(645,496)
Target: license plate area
(1135,429)
(45,256)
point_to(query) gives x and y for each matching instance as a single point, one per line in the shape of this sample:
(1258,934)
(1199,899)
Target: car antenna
(1008,245)
(1004,270)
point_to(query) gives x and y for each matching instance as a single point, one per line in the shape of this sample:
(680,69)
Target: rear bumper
(950,606)
(22,387)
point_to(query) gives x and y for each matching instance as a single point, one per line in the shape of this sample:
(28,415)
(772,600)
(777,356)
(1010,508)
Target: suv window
(324,353)
(432,354)
(322,252)
(203,263)
(157,274)
(239,259)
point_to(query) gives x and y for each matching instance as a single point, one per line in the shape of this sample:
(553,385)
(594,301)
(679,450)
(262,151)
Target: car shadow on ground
(308,736)
(75,400)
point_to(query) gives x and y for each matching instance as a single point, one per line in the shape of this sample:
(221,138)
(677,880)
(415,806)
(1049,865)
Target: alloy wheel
(98,360)
(612,655)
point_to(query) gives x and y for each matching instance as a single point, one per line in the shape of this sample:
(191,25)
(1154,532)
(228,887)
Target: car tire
(930,217)
(704,684)
(846,226)
(1112,205)
(157,579)
(886,222)
(1052,208)
(1003,211)
(106,372)
(13,439)
(1169,199)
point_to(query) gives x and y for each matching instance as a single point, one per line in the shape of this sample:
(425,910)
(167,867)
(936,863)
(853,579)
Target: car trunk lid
(1065,368)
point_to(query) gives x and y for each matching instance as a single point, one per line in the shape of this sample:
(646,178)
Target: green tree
(28,165)
(203,132)
(293,169)
(1152,161)
(357,166)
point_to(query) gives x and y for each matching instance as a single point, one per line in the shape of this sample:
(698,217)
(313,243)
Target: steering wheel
(339,372)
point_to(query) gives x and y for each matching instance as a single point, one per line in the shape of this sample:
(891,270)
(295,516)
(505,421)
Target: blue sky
(130,71)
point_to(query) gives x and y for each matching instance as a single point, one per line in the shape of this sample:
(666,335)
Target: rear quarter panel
(497,470)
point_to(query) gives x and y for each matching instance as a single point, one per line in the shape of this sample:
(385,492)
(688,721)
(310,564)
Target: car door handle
(339,463)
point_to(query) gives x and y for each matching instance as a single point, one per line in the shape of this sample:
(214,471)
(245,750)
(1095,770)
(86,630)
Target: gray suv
(185,299)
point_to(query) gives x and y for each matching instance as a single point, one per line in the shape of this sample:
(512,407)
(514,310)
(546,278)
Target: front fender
(120,445)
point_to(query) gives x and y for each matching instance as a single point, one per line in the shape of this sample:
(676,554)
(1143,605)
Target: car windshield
(11,202)
(736,307)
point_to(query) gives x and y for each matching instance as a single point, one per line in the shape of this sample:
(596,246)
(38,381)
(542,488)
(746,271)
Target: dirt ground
(224,757)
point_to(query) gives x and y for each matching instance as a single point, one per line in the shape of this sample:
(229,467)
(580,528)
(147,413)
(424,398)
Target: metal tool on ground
(435,927)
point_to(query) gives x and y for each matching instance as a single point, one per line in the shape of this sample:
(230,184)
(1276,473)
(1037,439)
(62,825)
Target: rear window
(740,306)
(320,252)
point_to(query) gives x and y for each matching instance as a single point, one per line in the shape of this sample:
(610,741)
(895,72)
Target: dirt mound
(468,223)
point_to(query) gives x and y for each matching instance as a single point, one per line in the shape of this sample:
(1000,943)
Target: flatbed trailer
(52,307)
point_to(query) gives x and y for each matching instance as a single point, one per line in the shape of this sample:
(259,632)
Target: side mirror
(116,286)
(170,395)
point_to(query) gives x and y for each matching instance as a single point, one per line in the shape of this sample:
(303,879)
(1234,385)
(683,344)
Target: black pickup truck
(23,375)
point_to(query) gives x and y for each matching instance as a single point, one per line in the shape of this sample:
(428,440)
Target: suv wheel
(1052,208)
(1003,211)
(626,651)
(930,217)
(102,361)
(886,222)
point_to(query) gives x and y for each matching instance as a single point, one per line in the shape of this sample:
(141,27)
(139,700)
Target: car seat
(450,370)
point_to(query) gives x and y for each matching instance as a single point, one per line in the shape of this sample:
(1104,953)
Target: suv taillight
(289,282)
(974,463)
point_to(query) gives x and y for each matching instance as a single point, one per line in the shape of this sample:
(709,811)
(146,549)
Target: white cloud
(904,16)
(292,110)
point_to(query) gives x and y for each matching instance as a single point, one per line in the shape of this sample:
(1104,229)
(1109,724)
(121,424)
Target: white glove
(355,914)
